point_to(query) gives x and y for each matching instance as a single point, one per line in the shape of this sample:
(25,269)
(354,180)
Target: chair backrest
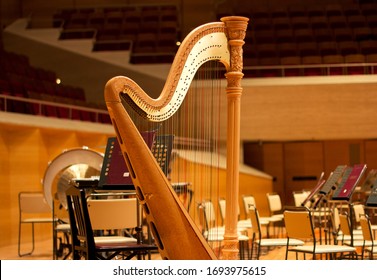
(344,224)
(81,229)
(248,200)
(298,223)
(335,219)
(299,197)
(358,210)
(101,212)
(254,218)
(222,206)
(209,213)
(33,202)
(274,202)
(366,228)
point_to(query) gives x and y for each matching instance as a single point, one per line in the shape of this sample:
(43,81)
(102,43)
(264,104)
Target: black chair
(84,243)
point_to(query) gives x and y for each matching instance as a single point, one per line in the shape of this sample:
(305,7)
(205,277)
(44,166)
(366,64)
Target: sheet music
(349,181)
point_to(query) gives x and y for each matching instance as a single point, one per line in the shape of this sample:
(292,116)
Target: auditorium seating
(119,28)
(30,90)
(323,30)
(338,34)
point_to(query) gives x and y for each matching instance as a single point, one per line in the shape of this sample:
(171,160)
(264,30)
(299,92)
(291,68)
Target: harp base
(230,249)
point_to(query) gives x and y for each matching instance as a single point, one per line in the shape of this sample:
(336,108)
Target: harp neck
(203,44)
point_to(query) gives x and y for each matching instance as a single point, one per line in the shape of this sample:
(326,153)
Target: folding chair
(33,209)
(299,225)
(62,247)
(85,244)
(349,236)
(370,245)
(249,200)
(358,210)
(276,211)
(259,241)
(336,228)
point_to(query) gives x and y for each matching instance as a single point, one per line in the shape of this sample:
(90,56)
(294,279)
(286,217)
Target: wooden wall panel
(258,187)
(253,154)
(5,194)
(337,152)
(299,109)
(303,163)
(95,143)
(370,153)
(24,172)
(266,157)
(273,162)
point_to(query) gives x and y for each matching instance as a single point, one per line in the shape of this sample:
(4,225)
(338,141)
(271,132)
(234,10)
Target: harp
(175,232)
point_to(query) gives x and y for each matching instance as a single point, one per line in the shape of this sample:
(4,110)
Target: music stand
(329,185)
(114,173)
(313,192)
(162,149)
(369,181)
(333,180)
(372,198)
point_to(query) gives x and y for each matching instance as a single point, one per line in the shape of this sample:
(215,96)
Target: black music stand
(313,193)
(372,198)
(345,190)
(114,173)
(325,190)
(333,180)
(329,185)
(369,181)
(162,150)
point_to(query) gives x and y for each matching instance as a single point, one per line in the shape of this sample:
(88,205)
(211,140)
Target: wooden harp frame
(175,233)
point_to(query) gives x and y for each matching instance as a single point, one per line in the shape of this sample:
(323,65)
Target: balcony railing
(37,107)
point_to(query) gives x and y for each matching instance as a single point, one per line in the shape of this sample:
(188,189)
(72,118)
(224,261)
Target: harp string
(205,111)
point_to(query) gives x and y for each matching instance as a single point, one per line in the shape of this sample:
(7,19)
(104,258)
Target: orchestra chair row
(88,216)
(33,209)
(299,225)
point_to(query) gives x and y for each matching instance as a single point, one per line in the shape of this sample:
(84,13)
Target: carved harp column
(175,232)
(235,29)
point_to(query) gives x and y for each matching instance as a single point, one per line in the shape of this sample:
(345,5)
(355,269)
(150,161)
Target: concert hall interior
(279,119)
